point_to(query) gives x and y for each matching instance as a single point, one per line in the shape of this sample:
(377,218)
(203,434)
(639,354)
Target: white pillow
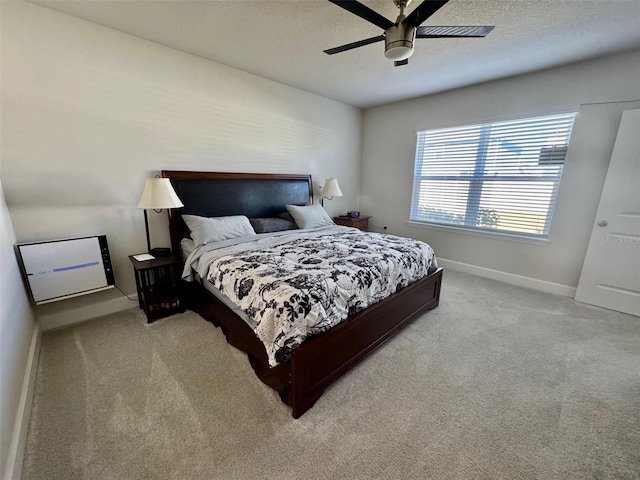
(213,229)
(309,216)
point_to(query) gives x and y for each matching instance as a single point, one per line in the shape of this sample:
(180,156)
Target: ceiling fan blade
(349,46)
(424,11)
(399,63)
(364,12)
(453,32)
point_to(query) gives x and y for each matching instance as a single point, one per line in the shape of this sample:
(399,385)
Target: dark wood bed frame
(321,360)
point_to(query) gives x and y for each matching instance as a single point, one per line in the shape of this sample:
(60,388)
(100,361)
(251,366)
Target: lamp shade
(331,188)
(159,194)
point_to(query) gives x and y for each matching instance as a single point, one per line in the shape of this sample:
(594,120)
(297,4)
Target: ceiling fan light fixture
(399,41)
(398,52)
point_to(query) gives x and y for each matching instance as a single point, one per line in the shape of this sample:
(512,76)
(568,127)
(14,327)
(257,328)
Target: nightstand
(361,223)
(158,285)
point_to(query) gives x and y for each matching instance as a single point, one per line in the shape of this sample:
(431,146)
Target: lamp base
(160,252)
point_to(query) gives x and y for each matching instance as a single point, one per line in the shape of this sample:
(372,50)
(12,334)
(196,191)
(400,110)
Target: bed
(301,375)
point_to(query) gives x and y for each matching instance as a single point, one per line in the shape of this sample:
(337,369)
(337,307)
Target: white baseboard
(21,427)
(83,313)
(513,279)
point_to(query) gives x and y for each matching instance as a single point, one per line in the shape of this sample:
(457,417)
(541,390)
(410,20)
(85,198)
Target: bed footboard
(320,361)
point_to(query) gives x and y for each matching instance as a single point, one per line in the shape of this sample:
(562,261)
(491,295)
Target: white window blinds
(500,177)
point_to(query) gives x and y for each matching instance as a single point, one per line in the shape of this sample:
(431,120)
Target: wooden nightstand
(361,223)
(158,285)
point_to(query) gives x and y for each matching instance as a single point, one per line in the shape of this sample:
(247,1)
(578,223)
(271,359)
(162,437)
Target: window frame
(478,179)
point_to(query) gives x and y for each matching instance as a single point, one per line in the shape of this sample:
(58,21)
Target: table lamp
(158,194)
(329,190)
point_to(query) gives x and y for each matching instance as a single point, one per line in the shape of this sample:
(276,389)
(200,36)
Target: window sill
(509,237)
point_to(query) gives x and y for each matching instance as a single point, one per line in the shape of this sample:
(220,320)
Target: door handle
(603,223)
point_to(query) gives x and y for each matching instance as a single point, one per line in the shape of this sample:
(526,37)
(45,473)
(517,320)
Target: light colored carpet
(498,382)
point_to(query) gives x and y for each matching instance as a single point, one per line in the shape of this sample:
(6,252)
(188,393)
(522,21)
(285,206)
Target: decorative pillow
(309,216)
(266,225)
(214,229)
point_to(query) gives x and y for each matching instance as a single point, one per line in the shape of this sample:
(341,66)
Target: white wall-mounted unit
(59,269)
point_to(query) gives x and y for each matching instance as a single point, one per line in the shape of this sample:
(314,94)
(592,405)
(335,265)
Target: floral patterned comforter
(299,288)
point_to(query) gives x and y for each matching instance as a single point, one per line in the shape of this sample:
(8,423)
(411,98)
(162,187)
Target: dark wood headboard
(217,194)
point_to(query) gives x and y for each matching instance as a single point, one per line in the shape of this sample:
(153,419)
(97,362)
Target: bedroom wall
(19,336)
(599,89)
(88,113)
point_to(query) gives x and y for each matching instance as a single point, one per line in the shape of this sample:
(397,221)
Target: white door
(610,275)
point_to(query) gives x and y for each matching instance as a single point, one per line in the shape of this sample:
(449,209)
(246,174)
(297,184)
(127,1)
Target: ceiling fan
(399,37)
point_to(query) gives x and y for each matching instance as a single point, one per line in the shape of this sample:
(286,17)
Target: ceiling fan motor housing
(399,40)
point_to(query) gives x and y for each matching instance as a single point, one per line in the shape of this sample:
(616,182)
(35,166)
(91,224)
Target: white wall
(600,89)
(19,335)
(88,113)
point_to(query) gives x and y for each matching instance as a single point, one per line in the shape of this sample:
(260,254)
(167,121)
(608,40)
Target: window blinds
(501,176)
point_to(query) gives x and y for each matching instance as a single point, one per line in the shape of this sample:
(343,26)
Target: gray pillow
(267,225)
(214,229)
(309,216)
(286,216)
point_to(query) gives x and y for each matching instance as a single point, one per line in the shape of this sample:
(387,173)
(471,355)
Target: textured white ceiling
(283,40)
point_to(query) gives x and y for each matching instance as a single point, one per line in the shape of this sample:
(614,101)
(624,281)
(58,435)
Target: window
(497,177)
